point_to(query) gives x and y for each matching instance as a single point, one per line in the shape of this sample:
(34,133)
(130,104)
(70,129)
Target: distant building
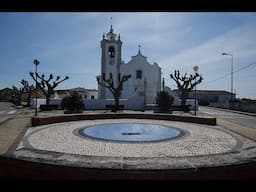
(5,94)
(206,97)
(85,93)
(58,95)
(146,77)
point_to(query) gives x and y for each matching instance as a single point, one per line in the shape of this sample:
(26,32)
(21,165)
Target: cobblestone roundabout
(198,146)
(197,140)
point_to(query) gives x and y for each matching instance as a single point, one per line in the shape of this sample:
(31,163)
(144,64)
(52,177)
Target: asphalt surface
(7,110)
(240,119)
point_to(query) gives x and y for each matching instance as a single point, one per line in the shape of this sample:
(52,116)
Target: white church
(145,78)
(141,89)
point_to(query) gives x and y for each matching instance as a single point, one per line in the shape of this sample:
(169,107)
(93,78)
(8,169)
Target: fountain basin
(131,132)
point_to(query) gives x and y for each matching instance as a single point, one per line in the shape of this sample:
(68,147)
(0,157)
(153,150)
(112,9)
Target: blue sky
(69,44)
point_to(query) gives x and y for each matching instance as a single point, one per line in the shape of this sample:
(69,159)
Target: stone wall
(238,106)
(246,107)
(36,121)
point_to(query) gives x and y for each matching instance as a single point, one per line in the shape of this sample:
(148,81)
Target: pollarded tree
(44,84)
(115,90)
(185,84)
(27,89)
(16,95)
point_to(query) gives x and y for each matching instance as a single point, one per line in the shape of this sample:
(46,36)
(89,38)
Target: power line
(219,78)
(245,67)
(228,74)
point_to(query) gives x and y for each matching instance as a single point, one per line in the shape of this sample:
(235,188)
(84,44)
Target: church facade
(145,78)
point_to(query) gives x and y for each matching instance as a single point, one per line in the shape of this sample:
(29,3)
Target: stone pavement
(241,130)
(11,129)
(235,127)
(197,139)
(14,127)
(200,146)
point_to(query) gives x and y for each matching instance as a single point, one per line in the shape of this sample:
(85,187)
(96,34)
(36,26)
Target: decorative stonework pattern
(199,140)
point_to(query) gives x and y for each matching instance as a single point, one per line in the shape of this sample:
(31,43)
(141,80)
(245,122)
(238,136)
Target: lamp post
(163,84)
(231,73)
(36,62)
(195,68)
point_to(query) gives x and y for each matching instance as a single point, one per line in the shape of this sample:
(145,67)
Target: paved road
(241,119)
(6,111)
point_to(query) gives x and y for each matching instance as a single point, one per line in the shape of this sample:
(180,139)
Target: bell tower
(110,60)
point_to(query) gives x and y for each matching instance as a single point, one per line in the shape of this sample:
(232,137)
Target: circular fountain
(131,132)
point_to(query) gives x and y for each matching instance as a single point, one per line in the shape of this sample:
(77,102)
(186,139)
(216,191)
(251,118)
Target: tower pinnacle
(111,28)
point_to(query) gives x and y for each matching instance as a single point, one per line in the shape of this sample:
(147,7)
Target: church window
(138,74)
(111,52)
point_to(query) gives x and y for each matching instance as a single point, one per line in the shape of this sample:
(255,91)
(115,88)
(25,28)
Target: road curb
(233,111)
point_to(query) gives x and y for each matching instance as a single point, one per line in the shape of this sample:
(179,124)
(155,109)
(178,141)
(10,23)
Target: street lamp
(231,73)
(195,68)
(36,62)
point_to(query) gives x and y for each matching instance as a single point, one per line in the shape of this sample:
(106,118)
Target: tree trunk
(184,96)
(28,98)
(116,97)
(19,94)
(48,97)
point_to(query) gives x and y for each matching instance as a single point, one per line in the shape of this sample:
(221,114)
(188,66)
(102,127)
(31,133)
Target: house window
(85,96)
(138,74)
(92,97)
(111,52)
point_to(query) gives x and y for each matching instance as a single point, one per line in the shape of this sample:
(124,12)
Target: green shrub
(204,102)
(48,107)
(73,103)
(164,101)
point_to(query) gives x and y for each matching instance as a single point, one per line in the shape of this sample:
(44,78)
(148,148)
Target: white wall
(152,73)
(134,103)
(89,94)
(192,103)
(43,101)
(39,102)
(188,102)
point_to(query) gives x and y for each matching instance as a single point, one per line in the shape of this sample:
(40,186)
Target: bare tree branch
(109,83)
(185,84)
(46,86)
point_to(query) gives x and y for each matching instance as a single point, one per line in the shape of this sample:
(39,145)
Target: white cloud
(170,39)
(241,42)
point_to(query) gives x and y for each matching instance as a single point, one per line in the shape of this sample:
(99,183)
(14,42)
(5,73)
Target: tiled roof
(79,89)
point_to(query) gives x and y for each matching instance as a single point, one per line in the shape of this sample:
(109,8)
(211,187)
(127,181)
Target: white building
(85,93)
(146,77)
